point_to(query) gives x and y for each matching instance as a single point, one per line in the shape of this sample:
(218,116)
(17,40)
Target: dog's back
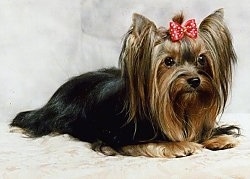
(67,109)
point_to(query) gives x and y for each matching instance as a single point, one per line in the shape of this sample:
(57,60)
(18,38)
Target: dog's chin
(194,99)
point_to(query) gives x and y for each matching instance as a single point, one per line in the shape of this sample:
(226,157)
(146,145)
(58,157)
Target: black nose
(194,82)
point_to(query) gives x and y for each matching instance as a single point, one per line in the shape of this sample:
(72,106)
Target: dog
(164,100)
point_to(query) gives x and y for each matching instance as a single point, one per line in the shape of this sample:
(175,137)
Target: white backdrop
(45,42)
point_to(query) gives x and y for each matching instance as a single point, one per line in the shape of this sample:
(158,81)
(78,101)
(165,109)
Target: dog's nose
(194,82)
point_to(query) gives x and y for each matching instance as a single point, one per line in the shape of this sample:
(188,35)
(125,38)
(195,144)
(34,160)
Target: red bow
(177,32)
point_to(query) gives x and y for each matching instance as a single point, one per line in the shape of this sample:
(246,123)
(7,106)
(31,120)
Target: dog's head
(180,75)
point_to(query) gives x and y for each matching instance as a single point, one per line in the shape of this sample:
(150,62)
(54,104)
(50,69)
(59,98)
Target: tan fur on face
(179,112)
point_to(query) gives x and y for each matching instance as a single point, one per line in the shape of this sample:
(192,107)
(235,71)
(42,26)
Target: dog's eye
(169,62)
(202,60)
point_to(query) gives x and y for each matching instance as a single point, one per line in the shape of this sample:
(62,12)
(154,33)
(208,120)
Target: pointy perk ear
(140,23)
(218,42)
(215,33)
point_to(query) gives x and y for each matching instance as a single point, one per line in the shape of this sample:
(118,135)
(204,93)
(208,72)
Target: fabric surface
(64,157)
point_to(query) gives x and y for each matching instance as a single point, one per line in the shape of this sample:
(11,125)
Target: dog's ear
(140,24)
(136,63)
(217,37)
(218,42)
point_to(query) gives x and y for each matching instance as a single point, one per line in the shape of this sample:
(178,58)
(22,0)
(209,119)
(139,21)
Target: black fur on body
(89,107)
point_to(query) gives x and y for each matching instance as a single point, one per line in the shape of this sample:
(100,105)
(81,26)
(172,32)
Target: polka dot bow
(177,31)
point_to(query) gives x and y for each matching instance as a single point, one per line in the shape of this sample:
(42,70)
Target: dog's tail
(55,117)
(35,123)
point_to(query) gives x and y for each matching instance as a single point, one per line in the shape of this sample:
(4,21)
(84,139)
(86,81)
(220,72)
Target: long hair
(136,64)
(150,89)
(218,41)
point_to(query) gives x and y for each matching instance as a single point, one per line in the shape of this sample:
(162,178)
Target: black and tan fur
(163,101)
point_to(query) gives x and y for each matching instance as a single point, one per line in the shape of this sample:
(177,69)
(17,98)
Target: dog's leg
(168,149)
(101,147)
(221,142)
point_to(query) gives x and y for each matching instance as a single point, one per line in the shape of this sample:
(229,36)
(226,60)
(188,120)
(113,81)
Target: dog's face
(185,76)
(188,96)
(183,84)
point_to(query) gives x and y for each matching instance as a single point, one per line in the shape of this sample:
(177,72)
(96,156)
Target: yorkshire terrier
(163,101)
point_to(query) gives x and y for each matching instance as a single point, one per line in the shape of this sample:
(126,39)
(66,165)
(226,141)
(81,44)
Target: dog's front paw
(181,149)
(168,149)
(221,142)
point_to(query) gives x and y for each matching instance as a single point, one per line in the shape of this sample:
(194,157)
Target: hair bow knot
(177,32)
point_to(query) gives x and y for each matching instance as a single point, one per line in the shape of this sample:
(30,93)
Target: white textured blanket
(64,157)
